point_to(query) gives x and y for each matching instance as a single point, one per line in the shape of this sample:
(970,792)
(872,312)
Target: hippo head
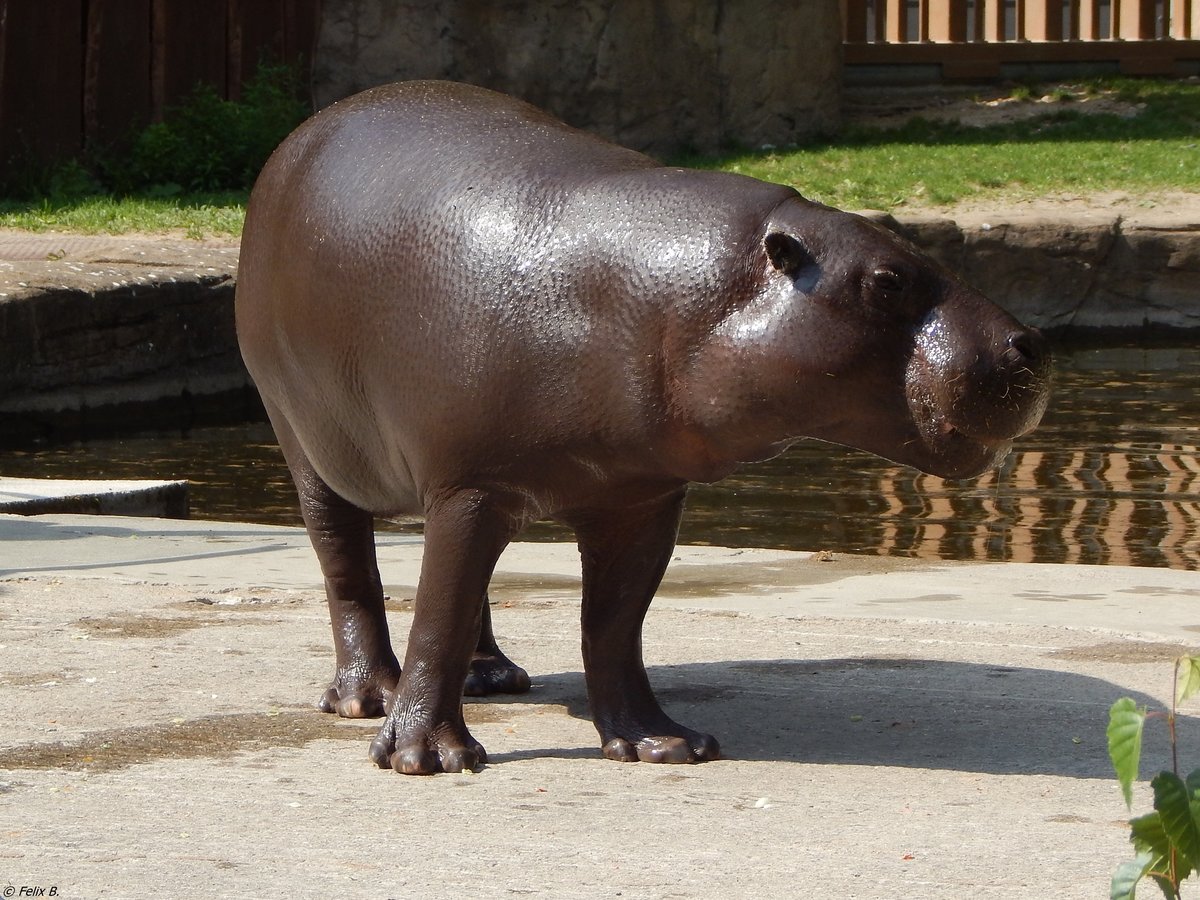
(854,336)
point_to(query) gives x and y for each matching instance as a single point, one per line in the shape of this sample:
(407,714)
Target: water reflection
(1109,477)
(1125,504)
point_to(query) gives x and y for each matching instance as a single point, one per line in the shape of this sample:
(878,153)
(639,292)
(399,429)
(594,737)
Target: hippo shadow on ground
(908,713)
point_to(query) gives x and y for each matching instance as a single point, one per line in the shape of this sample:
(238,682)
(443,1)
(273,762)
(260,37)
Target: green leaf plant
(1166,842)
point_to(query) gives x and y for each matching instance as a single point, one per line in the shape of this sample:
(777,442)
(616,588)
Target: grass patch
(921,163)
(197,215)
(925,163)
(913,173)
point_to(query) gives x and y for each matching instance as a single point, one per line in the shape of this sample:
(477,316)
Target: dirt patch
(1124,652)
(135,626)
(205,611)
(33,679)
(892,109)
(728,578)
(1159,207)
(212,737)
(500,712)
(509,587)
(253,601)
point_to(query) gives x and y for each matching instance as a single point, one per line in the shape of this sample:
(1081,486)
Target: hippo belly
(457,307)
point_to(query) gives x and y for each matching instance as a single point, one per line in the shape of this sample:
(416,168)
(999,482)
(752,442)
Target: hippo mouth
(933,443)
(952,452)
(953,442)
(968,439)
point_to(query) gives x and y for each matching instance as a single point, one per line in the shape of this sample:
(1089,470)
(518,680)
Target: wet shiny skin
(455,306)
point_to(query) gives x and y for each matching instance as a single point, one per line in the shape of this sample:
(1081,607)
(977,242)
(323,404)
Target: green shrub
(207,143)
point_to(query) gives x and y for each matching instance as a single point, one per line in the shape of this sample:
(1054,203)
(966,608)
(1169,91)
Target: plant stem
(1171,719)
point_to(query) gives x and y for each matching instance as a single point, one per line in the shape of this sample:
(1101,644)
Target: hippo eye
(889,280)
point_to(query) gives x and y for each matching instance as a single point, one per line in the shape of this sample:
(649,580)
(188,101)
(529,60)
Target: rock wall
(1070,275)
(661,76)
(88,358)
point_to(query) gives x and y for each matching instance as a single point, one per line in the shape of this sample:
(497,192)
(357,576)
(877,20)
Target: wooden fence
(975,38)
(81,73)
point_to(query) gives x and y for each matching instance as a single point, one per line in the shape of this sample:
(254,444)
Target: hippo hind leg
(343,536)
(491,671)
(625,553)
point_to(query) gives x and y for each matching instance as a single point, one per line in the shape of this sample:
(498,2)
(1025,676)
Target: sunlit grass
(198,216)
(919,174)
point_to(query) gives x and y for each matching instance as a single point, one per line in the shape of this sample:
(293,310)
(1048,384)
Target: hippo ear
(787,254)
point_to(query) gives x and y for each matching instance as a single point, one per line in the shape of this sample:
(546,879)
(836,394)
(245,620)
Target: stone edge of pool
(100,329)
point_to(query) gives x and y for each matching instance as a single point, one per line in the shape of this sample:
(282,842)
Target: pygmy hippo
(458,307)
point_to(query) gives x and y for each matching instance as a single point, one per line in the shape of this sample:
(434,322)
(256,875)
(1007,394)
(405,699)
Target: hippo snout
(972,390)
(1001,400)
(1027,347)
(1000,396)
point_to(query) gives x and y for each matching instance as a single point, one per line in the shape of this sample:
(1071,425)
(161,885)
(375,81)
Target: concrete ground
(891,728)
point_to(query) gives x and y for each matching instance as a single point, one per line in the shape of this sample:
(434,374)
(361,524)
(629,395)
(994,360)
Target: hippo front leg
(424,732)
(625,553)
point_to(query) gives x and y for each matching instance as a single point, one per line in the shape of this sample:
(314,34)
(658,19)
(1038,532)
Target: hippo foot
(679,745)
(359,697)
(421,752)
(495,673)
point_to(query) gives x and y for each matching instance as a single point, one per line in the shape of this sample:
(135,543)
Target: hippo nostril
(1029,345)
